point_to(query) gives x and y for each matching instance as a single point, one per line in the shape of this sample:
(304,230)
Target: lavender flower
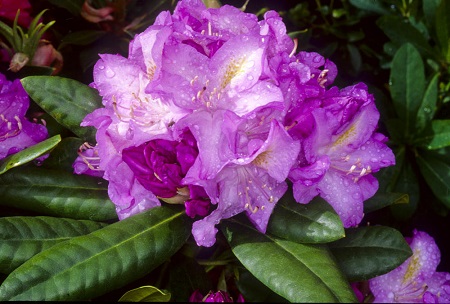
(255,112)
(16,132)
(416,280)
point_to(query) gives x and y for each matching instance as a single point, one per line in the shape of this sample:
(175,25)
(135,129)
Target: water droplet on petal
(110,73)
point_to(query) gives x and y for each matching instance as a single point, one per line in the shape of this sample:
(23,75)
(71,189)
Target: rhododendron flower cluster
(16,131)
(213,108)
(416,280)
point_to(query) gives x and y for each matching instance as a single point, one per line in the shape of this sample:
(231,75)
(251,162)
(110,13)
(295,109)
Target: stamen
(295,48)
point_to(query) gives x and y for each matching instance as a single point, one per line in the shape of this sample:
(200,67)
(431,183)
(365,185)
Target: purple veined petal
(346,196)
(214,150)
(238,64)
(308,175)
(277,154)
(146,49)
(439,287)
(280,41)
(353,135)
(408,282)
(232,21)
(261,94)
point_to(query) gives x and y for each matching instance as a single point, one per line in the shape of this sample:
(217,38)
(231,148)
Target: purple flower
(416,280)
(214,297)
(16,132)
(340,151)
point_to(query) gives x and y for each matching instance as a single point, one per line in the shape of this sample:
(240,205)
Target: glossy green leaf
(145,294)
(66,100)
(366,252)
(297,272)
(73,6)
(254,291)
(427,108)
(407,84)
(381,200)
(57,193)
(436,172)
(401,32)
(373,6)
(29,154)
(315,222)
(88,266)
(443,28)
(81,38)
(22,237)
(436,136)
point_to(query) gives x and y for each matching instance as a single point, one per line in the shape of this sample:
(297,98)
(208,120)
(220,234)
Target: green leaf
(66,100)
(427,108)
(81,38)
(22,237)
(88,266)
(185,276)
(401,32)
(145,294)
(315,222)
(429,10)
(63,156)
(381,200)
(443,28)
(57,193)
(372,6)
(73,6)
(436,172)
(366,252)
(29,154)
(297,272)
(407,83)
(436,136)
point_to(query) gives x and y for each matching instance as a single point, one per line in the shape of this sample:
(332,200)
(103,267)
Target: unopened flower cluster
(216,110)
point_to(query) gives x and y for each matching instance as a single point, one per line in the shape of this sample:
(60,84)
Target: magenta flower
(8,10)
(416,280)
(340,151)
(16,132)
(214,297)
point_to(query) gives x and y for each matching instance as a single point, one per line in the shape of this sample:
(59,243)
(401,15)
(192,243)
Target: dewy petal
(277,154)
(407,283)
(346,196)
(439,287)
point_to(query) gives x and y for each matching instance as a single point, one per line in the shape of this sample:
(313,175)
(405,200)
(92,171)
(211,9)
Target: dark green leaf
(405,182)
(24,236)
(443,28)
(66,100)
(437,174)
(315,222)
(57,193)
(372,6)
(81,38)
(355,57)
(401,32)
(73,6)
(428,106)
(29,154)
(381,200)
(254,291)
(407,83)
(396,129)
(186,275)
(429,11)
(297,272)
(63,156)
(88,266)
(145,294)
(436,136)
(366,252)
